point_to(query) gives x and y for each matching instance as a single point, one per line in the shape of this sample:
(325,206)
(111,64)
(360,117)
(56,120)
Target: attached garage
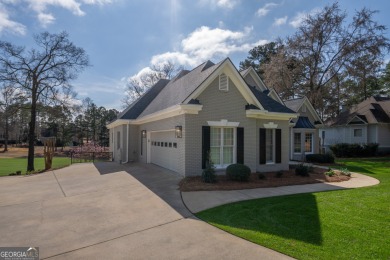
(163,150)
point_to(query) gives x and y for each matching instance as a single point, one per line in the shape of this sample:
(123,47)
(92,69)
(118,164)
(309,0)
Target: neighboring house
(304,133)
(211,110)
(367,122)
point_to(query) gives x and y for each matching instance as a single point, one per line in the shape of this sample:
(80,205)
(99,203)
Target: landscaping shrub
(238,172)
(208,174)
(302,170)
(320,158)
(370,149)
(345,172)
(354,150)
(279,174)
(262,176)
(330,173)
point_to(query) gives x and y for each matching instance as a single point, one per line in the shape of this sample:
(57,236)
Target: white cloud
(6,24)
(263,11)
(40,7)
(226,4)
(280,21)
(205,43)
(297,20)
(45,19)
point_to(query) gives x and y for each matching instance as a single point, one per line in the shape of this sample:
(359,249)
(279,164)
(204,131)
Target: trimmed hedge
(320,158)
(354,150)
(238,172)
(302,170)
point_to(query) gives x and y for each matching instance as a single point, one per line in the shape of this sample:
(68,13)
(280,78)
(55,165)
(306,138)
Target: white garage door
(164,150)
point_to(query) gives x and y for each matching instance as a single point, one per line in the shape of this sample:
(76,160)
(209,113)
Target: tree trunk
(31,132)
(6,134)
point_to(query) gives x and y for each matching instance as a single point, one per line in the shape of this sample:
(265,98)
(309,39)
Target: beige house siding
(119,151)
(218,105)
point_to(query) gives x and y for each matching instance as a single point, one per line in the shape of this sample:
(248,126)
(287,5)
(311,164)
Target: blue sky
(123,38)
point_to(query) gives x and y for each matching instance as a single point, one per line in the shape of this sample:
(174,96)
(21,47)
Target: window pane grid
(222,146)
(308,142)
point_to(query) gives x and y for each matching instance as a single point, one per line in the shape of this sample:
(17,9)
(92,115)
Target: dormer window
(223,82)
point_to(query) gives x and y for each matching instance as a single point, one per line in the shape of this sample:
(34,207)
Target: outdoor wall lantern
(178,131)
(143,133)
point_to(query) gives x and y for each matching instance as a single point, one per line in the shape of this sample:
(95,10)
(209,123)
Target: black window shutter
(278,146)
(240,145)
(262,145)
(205,145)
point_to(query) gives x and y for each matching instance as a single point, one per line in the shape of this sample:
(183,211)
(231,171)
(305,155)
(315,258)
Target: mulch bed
(288,178)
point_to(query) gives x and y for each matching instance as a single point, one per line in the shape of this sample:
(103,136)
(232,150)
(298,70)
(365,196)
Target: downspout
(127,145)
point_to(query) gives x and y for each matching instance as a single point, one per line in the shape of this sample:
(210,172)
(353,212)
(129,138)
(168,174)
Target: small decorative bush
(279,174)
(320,158)
(208,174)
(262,176)
(345,172)
(302,170)
(238,172)
(330,173)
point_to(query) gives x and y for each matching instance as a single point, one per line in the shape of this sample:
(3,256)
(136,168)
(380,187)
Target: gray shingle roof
(372,110)
(294,104)
(176,91)
(165,93)
(135,109)
(269,103)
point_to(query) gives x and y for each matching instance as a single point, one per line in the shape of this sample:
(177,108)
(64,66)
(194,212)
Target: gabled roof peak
(180,74)
(207,65)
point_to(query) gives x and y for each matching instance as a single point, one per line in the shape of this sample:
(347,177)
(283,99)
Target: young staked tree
(136,87)
(41,74)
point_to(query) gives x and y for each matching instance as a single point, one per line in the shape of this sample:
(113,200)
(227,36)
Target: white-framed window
(308,142)
(223,82)
(297,142)
(222,146)
(269,146)
(358,132)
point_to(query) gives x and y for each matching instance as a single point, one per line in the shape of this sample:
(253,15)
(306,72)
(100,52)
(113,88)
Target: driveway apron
(111,211)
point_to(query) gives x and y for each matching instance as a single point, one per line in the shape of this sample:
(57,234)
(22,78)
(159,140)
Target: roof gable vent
(223,82)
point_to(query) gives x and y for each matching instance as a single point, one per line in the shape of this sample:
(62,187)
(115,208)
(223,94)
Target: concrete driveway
(111,211)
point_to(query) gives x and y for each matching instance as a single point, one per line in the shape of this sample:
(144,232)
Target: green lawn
(11,165)
(346,224)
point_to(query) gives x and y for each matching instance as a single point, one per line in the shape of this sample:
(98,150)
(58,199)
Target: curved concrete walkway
(197,201)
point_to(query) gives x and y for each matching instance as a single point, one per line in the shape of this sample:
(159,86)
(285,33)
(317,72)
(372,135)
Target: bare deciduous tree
(42,74)
(324,44)
(136,87)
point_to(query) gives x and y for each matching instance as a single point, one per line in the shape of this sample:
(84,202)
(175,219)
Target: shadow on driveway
(162,182)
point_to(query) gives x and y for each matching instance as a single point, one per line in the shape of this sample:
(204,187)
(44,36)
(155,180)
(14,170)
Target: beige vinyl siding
(218,105)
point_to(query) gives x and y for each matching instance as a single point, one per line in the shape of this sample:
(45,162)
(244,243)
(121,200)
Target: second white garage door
(164,150)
